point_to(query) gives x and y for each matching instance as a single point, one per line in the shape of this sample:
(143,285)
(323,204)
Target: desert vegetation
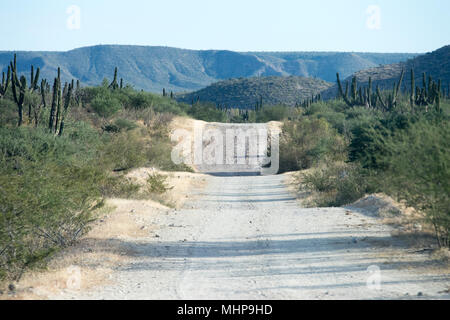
(64,149)
(368,141)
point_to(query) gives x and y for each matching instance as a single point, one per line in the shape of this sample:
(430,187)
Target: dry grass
(180,184)
(293,182)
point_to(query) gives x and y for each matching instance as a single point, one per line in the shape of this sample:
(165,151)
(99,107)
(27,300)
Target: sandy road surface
(246,237)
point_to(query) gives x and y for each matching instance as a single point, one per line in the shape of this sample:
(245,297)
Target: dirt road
(246,237)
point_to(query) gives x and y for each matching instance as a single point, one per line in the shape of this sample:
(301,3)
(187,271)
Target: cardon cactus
(5,83)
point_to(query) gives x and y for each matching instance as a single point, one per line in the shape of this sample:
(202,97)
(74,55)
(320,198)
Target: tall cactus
(369,94)
(413,88)
(20,89)
(34,79)
(43,91)
(19,97)
(56,89)
(5,83)
(114,85)
(77,94)
(33,87)
(59,106)
(391,101)
(429,94)
(356,98)
(341,91)
(67,101)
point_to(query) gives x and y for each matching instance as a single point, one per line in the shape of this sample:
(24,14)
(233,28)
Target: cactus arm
(380,98)
(67,100)
(341,93)
(413,88)
(43,85)
(113,85)
(14,91)
(53,107)
(36,79)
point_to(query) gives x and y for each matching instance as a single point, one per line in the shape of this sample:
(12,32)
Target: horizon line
(239,51)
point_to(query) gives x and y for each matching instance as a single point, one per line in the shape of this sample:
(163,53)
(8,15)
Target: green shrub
(159,155)
(119,187)
(140,100)
(156,183)
(207,112)
(50,186)
(307,141)
(418,171)
(47,196)
(8,112)
(273,113)
(368,146)
(124,151)
(119,125)
(125,124)
(106,106)
(337,184)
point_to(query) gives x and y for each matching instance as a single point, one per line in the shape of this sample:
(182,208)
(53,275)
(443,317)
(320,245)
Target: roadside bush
(418,171)
(368,146)
(48,192)
(156,183)
(42,210)
(159,155)
(336,184)
(118,186)
(50,186)
(307,141)
(124,151)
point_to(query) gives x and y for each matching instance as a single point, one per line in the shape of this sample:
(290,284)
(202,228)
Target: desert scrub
(124,151)
(418,171)
(157,184)
(119,186)
(47,197)
(105,106)
(336,184)
(307,141)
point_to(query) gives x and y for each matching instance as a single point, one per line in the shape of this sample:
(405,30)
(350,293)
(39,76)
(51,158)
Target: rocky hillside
(178,70)
(246,92)
(435,64)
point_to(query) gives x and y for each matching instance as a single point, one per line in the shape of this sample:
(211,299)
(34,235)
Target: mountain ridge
(153,68)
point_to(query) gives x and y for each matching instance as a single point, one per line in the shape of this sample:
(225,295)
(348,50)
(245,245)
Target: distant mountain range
(435,64)
(179,70)
(246,92)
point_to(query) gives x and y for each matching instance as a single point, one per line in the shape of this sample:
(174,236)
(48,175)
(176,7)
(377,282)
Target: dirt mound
(377,205)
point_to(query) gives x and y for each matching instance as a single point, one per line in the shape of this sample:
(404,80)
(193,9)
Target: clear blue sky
(240,25)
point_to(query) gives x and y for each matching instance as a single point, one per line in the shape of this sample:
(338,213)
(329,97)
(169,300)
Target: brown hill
(435,64)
